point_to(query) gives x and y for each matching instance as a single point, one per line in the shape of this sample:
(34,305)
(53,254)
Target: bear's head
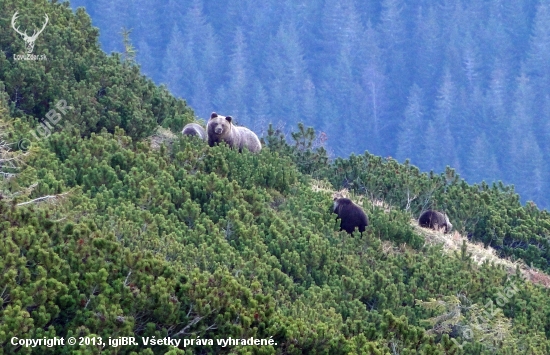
(219,125)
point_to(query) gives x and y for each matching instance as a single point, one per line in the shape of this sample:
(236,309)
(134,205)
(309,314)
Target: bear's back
(194,129)
(249,139)
(433,219)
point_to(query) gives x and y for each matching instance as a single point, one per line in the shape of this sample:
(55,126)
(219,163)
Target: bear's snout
(218,129)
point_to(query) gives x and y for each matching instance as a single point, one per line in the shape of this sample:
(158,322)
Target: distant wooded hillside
(112,226)
(459,83)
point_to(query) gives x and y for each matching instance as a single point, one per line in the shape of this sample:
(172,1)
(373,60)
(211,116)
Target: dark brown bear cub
(435,220)
(350,214)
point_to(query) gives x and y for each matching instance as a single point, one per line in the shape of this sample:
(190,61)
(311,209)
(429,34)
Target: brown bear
(435,220)
(194,129)
(221,129)
(350,214)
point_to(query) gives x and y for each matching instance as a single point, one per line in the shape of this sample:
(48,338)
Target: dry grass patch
(453,242)
(162,136)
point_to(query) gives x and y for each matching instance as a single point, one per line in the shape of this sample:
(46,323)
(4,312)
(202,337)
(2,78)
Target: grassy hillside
(104,233)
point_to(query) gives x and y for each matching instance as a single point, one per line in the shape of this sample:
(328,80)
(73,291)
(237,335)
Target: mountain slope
(188,241)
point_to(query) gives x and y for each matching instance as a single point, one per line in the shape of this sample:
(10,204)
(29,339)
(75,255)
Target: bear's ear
(229,118)
(213,115)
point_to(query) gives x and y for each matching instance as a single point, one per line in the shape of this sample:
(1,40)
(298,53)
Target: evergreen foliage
(103,93)
(490,214)
(103,235)
(371,74)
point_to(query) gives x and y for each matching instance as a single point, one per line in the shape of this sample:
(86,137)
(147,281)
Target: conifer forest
(459,83)
(120,234)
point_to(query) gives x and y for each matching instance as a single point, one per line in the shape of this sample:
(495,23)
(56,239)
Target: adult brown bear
(221,129)
(435,220)
(350,214)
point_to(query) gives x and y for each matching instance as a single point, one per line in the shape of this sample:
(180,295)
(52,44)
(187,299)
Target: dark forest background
(459,83)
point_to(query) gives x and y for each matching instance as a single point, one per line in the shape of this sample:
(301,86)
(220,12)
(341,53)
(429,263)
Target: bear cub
(350,214)
(194,129)
(435,220)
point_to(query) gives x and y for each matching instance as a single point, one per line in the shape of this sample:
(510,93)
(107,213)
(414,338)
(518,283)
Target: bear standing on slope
(194,129)
(221,129)
(350,214)
(435,220)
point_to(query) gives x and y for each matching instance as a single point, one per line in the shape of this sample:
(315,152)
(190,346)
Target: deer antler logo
(29,40)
